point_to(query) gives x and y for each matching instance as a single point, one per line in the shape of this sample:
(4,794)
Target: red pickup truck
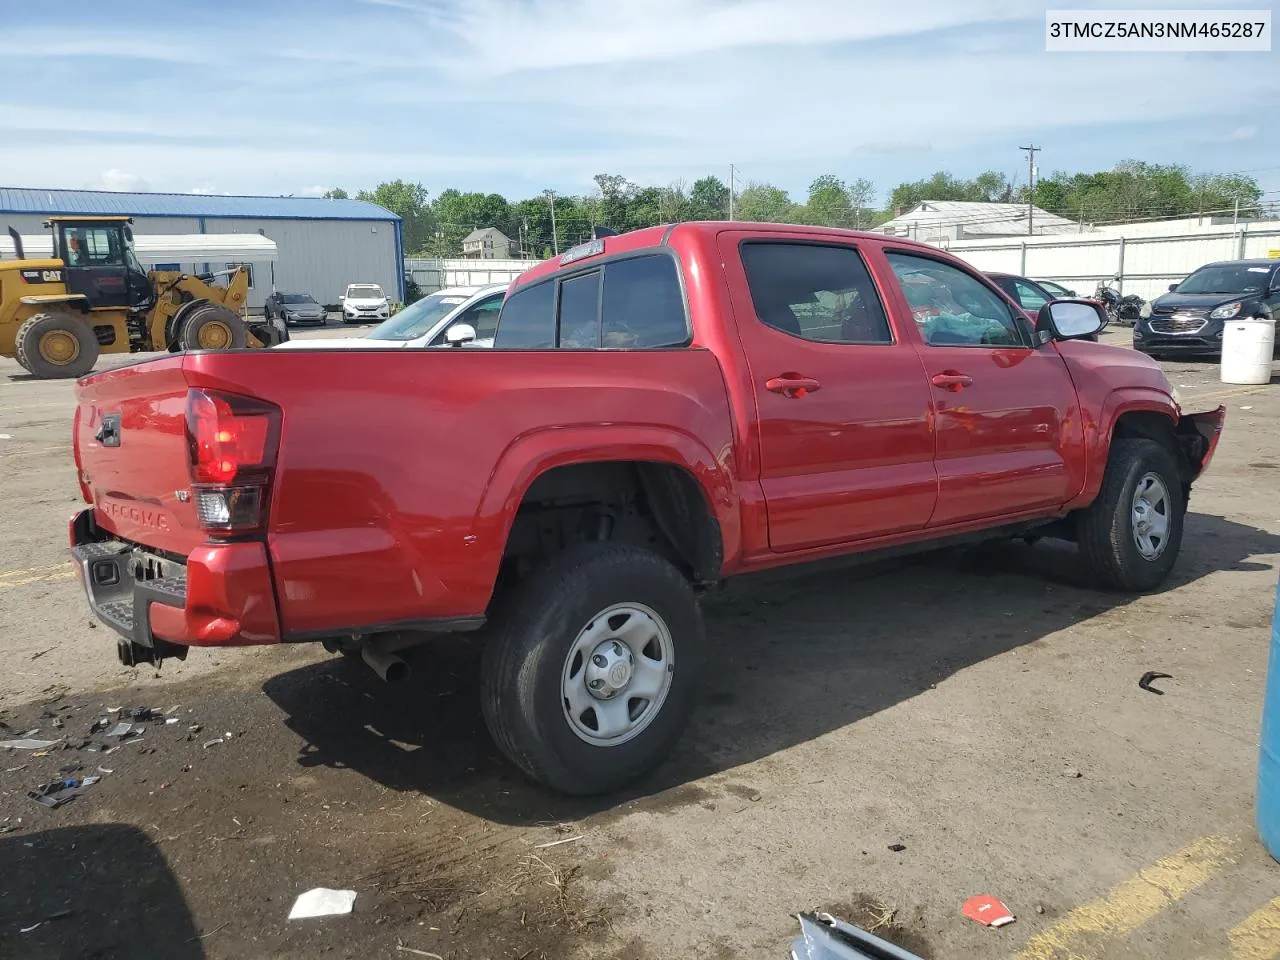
(662,410)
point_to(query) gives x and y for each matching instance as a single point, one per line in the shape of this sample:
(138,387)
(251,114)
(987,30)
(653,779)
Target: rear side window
(633,303)
(580,311)
(815,292)
(528,321)
(642,304)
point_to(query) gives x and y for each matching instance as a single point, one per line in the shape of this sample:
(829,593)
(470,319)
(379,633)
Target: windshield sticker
(452,300)
(1259,269)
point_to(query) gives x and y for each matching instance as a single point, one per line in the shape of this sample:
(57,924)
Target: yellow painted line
(1258,937)
(39,578)
(1223,394)
(6,574)
(1132,903)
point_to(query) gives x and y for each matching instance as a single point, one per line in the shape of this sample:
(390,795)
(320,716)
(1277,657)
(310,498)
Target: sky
(516,96)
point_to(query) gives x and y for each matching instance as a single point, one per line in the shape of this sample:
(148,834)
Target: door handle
(951,380)
(792,385)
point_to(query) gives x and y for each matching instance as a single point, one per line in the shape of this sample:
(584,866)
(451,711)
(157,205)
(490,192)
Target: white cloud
(1243,133)
(313,191)
(118,181)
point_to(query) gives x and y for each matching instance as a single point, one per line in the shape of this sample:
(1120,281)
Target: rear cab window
(633,302)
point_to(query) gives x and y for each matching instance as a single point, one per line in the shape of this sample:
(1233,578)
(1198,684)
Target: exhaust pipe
(18,252)
(388,666)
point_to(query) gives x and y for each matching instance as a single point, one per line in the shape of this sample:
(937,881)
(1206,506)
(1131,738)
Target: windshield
(1227,278)
(418,318)
(364,291)
(295,298)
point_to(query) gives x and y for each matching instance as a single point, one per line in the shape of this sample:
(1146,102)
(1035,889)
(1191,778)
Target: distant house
(935,221)
(487,243)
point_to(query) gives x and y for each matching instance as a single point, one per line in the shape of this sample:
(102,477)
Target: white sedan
(426,322)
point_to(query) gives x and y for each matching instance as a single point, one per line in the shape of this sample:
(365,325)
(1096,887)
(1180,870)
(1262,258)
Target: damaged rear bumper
(220,595)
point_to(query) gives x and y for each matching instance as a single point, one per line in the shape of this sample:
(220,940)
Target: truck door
(1009,434)
(844,429)
(96,264)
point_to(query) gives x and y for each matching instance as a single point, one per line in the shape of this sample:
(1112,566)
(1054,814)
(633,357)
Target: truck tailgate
(131,445)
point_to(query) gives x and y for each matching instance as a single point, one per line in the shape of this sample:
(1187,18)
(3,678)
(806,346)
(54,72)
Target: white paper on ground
(27,743)
(322,902)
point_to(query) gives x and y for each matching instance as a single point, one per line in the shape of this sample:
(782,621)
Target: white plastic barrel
(1247,346)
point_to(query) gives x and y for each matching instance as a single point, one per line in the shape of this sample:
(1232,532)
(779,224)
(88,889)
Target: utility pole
(731,191)
(555,240)
(1031,185)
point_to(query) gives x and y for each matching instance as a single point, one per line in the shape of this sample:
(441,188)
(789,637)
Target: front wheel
(1131,534)
(592,670)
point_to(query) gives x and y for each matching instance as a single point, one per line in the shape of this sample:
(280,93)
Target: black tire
(56,346)
(526,655)
(1105,529)
(203,323)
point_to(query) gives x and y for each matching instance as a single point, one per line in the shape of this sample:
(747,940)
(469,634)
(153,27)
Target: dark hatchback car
(1026,293)
(294,308)
(1189,319)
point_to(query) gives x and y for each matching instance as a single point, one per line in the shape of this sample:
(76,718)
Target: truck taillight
(232,442)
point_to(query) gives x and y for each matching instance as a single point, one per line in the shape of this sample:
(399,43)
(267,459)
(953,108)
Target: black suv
(1190,317)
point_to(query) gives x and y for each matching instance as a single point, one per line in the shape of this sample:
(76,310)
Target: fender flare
(531,455)
(1098,433)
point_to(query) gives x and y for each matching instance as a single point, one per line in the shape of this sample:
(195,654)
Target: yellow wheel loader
(92,296)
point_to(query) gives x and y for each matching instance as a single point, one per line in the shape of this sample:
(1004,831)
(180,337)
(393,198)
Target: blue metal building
(322,244)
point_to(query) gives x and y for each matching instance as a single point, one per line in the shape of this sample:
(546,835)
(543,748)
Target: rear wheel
(56,345)
(580,686)
(212,326)
(1131,534)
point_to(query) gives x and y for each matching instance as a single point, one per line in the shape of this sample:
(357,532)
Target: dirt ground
(978,708)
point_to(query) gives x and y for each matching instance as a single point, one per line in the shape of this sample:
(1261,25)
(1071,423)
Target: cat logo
(42,276)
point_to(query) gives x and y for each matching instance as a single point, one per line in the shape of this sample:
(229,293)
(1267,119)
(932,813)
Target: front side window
(814,292)
(482,317)
(528,320)
(1031,298)
(951,307)
(94,247)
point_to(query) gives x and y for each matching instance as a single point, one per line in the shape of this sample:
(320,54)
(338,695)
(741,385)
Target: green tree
(409,201)
(708,200)
(337,193)
(1136,189)
(862,196)
(456,214)
(764,203)
(828,204)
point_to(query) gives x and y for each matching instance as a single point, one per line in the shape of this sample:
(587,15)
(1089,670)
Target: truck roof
(661,236)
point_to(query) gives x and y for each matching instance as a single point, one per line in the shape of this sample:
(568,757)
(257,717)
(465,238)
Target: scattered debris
(40,653)
(194,728)
(49,919)
(1150,675)
(1040,908)
(105,770)
(214,742)
(823,937)
(28,743)
(1247,408)
(417,953)
(206,936)
(987,910)
(322,902)
(556,843)
(121,730)
(1071,773)
(897,847)
(7,436)
(169,720)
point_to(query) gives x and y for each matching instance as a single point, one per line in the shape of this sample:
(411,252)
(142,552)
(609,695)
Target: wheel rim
(617,674)
(1151,516)
(214,335)
(60,347)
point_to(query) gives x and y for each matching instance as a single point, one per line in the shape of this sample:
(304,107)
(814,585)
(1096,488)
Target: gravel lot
(978,708)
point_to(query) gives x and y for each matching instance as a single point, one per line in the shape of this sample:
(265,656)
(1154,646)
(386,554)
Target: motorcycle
(1120,309)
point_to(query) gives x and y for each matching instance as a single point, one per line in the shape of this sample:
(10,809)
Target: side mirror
(342,299)
(1070,320)
(1173,287)
(459,334)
